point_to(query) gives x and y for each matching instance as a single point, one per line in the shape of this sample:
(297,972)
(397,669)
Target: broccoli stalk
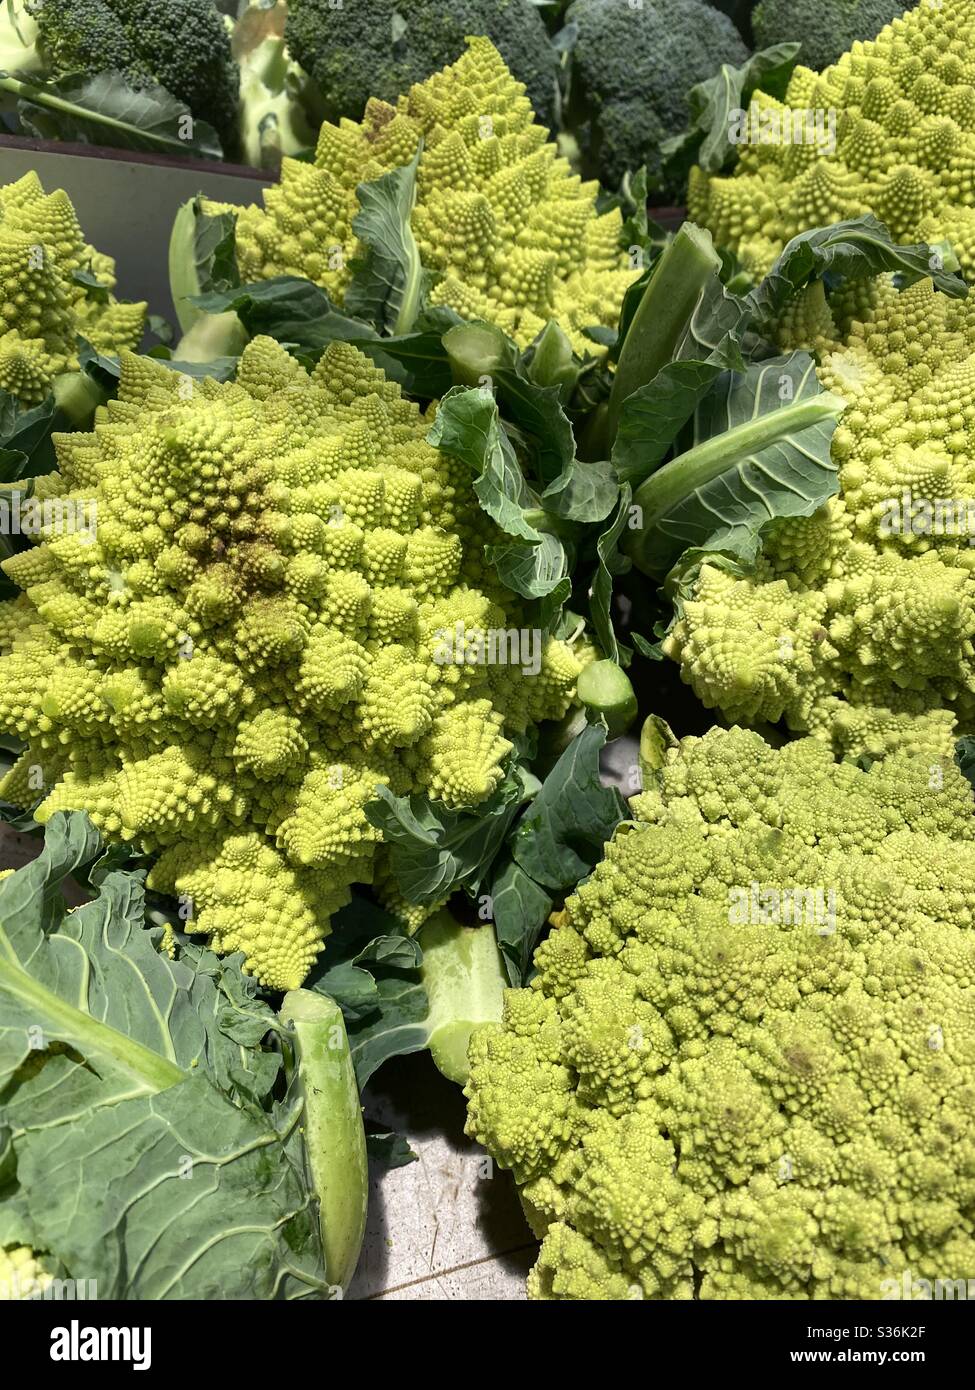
(323,1076)
(272,121)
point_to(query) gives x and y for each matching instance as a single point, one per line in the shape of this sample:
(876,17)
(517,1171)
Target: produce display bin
(126,202)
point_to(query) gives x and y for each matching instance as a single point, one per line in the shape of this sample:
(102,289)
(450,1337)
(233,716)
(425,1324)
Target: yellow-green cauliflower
(43,307)
(745,1068)
(231,632)
(858,623)
(889,129)
(509,232)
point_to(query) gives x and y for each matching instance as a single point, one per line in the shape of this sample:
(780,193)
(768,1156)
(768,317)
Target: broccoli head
(232,632)
(380,48)
(510,233)
(746,1065)
(631,70)
(183,45)
(43,306)
(858,623)
(900,143)
(825,28)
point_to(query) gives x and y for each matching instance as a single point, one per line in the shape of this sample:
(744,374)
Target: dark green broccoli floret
(181,44)
(631,70)
(380,48)
(825,28)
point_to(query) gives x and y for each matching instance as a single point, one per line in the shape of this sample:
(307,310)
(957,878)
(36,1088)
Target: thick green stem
(335,1140)
(183,278)
(606,690)
(412,297)
(550,524)
(212,336)
(662,316)
(205,336)
(476,351)
(699,466)
(77,396)
(464,977)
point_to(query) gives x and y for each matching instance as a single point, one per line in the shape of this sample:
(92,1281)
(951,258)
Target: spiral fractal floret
(746,1064)
(23,1274)
(858,623)
(43,306)
(232,632)
(508,232)
(888,129)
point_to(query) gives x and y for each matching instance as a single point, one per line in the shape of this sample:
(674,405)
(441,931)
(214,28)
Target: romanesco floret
(858,623)
(23,1273)
(233,630)
(510,233)
(889,129)
(746,1065)
(43,308)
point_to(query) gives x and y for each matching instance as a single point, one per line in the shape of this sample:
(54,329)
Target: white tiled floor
(447,1226)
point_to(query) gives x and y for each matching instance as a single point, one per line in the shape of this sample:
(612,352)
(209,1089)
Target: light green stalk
(334,1137)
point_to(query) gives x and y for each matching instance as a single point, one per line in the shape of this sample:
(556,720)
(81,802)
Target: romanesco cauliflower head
(510,233)
(900,143)
(42,307)
(858,623)
(233,630)
(746,1065)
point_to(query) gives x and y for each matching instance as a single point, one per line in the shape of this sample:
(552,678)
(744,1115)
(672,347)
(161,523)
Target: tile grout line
(454,1269)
